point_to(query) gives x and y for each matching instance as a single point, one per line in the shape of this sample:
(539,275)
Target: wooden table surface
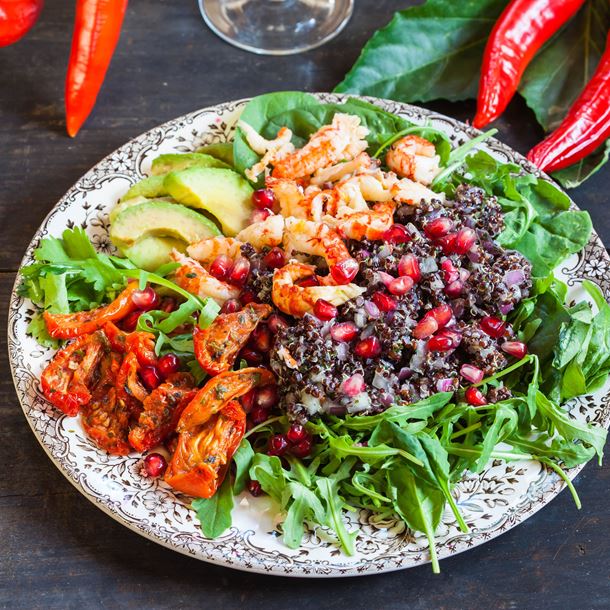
(57,550)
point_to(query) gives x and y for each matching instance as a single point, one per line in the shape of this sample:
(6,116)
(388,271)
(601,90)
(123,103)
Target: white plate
(492,502)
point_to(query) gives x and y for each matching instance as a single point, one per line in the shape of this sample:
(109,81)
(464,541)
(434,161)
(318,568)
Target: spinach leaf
(214,513)
(426,52)
(257,113)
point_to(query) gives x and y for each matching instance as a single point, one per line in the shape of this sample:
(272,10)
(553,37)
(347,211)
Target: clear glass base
(276,27)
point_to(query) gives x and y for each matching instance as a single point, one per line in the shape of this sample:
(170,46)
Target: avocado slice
(220,150)
(150,188)
(164,164)
(151,252)
(127,203)
(222,192)
(160,219)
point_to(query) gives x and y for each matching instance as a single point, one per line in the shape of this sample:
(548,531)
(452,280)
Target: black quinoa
(495,281)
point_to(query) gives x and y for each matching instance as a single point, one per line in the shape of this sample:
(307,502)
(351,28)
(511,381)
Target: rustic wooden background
(59,551)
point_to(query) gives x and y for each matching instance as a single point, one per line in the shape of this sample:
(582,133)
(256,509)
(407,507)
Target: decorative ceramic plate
(496,500)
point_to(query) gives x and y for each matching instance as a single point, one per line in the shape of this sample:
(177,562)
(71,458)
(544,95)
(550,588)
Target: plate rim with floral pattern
(500,498)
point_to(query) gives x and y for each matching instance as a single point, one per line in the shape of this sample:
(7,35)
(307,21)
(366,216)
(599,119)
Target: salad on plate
(339,309)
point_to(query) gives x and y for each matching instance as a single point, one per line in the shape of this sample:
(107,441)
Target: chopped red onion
(516,276)
(444,385)
(371,309)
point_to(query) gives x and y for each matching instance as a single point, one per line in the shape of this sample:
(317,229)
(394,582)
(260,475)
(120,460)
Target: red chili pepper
(584,128)
(17,18)
(523,27)
(96,33)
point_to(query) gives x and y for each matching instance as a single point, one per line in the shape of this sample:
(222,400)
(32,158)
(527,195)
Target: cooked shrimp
(414,157)
(408,191)
(315,238)
(271,150)
(289,195)
(206,250)
(343,139)
(371,224)
(268,232)
(195,279)
(296,300)
(360,163)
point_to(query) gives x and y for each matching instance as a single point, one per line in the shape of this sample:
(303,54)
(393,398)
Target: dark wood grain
(58,550)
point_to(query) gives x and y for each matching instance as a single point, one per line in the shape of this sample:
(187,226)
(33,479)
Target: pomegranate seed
(247,400)
(514,348)
(255,489)
(308,282)
(168,305)
(230,306)
(440,343)
(425,328)
(130,321)
(247,296)
(259,215)
(240,271)
(446,243)
(455,336)
(251,356)
(146,299)
(438,227)
(464,240)
(276,323)
(475,397)
(302,449)
(450,272)
(266,397)
(397,234)
(442,314)
(384,301)
(258,415)
(494,327)
(221,267)
(471,373)
(150,377)
(353,385)
(386,278)
(401,285)
(409,265)
(296,433)
(454,289)
(263,198)
(168,364)
(345,331)
(155,465)
(275,258)
(368,348)
(261,339)
(323,310)
(345,271)
(278,444)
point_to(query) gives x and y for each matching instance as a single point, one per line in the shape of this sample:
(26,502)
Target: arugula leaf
(334,519)
(305,505)
(214,513)
(419,505)
(426,52)
(571,429)
(243,458)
